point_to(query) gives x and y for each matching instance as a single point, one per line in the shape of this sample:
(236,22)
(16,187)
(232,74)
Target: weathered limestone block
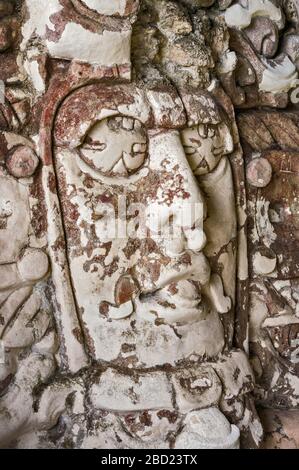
(129,303)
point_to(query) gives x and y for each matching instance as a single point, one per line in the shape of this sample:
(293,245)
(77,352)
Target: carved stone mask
(114,156)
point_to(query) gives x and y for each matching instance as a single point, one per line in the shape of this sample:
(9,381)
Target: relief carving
(129,303)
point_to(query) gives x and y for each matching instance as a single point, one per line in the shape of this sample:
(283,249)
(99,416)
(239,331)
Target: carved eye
(115,146)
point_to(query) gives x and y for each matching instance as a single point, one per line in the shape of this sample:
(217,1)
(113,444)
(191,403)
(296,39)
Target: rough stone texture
(118,123)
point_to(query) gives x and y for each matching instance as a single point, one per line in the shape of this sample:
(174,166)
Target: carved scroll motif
(259,69)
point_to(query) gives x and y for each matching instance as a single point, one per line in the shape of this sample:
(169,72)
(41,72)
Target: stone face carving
(124,288)
(156,297)
(263,69)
